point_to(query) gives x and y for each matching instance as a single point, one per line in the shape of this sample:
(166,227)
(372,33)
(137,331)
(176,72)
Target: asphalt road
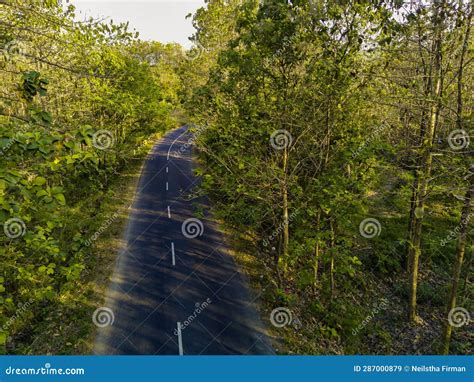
(175,289)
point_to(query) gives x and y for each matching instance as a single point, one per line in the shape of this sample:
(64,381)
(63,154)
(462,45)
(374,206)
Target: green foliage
(53,109)
(312,118)
(347,82)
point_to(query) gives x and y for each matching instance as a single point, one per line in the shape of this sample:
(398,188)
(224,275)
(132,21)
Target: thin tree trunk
(415,245)
(286,228)
(414,196)
(461,247)
(467,271)
(424,172)
(415,189)
(316,253)
(331,264)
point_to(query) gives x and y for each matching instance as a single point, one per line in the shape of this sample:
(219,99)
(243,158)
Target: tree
(466,19)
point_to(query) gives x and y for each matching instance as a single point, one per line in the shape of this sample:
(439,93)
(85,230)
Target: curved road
(175,289)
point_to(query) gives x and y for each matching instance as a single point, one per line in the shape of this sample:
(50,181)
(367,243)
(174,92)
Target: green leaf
(61,199)
(39,181)
(56,190)
(41,193)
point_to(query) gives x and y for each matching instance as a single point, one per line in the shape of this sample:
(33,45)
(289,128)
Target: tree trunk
(415,189)
(424,171)
(467,272)
(461,247)
(415,242)
(465,215)
(411,220)
(286,223)
(331,264)
(316,253)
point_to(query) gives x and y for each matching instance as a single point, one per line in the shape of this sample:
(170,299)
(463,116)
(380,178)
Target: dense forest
(333,139)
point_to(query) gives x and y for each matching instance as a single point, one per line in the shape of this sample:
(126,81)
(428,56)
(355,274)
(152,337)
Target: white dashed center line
(173,257)
(180,339)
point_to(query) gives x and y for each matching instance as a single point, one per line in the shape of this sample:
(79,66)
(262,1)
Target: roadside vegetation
(335,136)
(81,103)
(334,140)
